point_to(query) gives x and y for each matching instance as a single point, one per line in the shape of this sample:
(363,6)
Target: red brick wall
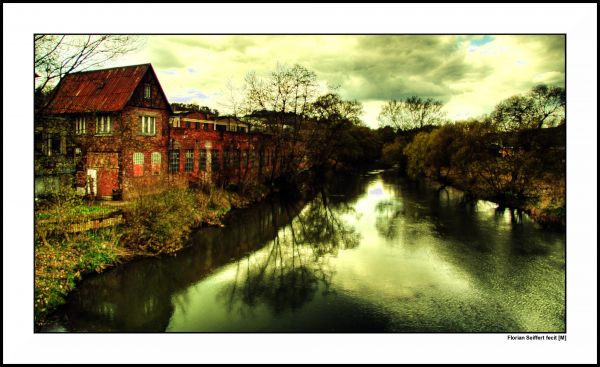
(137,142)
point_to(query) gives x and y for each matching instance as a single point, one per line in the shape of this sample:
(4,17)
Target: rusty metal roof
(106,90)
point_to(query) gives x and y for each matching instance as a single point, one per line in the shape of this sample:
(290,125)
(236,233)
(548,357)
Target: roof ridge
(114,67)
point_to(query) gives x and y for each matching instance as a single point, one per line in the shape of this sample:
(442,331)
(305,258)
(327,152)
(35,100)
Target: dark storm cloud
(394,67)
(470,74)
(550,51)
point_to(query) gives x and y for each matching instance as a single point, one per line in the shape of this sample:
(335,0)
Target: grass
(76,211)
(59,264)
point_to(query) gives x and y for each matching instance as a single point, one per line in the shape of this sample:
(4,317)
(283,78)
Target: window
(236,158)
(189,160)
(245,158)
(197,126)
(175,122)
(206,127)
(226,159)
(80,125)
(148,125)
(214,157)
(138,164)
(156,158)
(202,160)
(174,161)
(147,91)
(48,146)
(103,124)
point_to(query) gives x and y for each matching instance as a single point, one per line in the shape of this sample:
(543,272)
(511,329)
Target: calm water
(374,253)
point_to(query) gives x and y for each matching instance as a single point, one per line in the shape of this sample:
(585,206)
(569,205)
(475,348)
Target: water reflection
(369,253)
(296,262)
(136,296)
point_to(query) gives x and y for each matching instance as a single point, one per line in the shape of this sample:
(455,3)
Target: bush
(159,223)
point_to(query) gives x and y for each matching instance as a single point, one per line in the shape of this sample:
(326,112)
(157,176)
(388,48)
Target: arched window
(138,164)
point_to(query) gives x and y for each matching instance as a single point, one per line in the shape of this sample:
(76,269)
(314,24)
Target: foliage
(192,107)
(515,156)
(154,225)
(513,169)
(158,224)
(60,263)
(307,129)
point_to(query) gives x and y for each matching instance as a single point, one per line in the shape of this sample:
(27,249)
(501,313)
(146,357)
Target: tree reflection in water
(296,263)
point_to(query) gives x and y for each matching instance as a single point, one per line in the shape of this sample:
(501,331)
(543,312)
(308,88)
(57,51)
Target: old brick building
(216,149)
(129,140)
(118,116)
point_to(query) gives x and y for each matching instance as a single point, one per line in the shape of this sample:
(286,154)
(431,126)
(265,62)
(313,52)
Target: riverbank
(152,225)
(523,169)
(547,210)
(288,265)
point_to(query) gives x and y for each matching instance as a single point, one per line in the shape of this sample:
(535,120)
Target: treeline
(310,129)
(515,156)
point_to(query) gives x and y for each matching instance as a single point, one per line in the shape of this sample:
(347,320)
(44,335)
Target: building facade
(128,140)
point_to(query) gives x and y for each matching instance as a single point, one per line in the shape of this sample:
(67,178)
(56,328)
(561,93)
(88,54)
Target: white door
(91,186)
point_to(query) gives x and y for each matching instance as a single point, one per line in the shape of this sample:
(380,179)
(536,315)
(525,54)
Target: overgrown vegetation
(158,224)
(154,224)
(61,262)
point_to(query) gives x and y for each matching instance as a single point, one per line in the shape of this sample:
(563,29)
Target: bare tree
(58,55)
(282,101)
(548,105)
(542,106)
(233,99)
(411,113)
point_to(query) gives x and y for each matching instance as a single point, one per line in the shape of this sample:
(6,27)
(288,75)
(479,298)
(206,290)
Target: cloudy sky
(470,74)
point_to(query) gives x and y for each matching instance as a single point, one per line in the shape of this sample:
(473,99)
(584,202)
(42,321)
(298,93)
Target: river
(371,253)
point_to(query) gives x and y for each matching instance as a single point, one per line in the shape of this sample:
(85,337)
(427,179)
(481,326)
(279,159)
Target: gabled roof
(106,90)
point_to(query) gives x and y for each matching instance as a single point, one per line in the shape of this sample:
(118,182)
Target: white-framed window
(148,125)
(138,164)
(138,158)
(175,121)
(80,125)
(147,91)
(103,124)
